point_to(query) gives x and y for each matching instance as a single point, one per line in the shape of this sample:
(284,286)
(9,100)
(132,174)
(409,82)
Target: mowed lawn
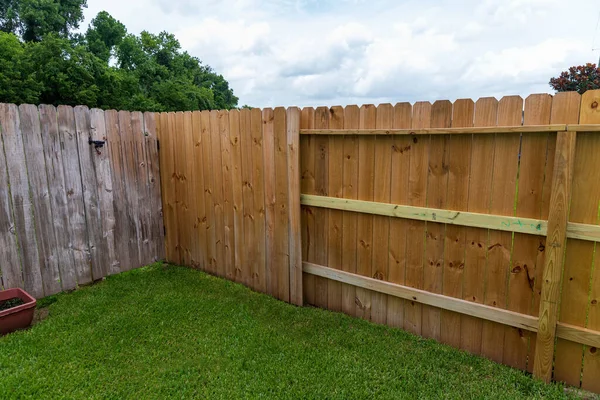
(171,332)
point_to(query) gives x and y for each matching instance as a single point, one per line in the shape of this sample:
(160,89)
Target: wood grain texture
(58,194)
(167,182)
(437,190)
(480,192)
(269,179)
(553,264)
(182,137)
(217,197)
(259,274)
(187,178)
(240,267)
(118,180)
(130,181)
(504,185)
(10,263)
(520,321)
(98,250)
(565,109)
(209,188)
(104,184)
(400,165)
(77,225)
(281,260)
(417,195)
(381,224)
(142,189)
(40,197)
(197,198)
(321,228)
(249,219)
(545,128)
(589,113)
(294,213)
(154,186)
(528,226)
(527,250)
(458,162)
(307,185)
(349,219)
(364,233)
(23,208)
(228,212)
(335,223)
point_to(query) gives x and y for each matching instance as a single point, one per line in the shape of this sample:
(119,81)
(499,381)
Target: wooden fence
(74,209)
(230,180)
(465,222)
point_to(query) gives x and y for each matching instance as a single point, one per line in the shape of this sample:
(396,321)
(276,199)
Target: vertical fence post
(555,250)
(293,162)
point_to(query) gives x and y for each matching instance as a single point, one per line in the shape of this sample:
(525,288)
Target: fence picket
(240,270)
(437,189)
(142,189)
(249,219)
(98,251)
(459,168)
(417,194)
(307,185)
(364,229)
(506,162)
(38,184)
(154,190)
(349,219)
(281,261)
(10,264)
(22,206)
(476,250)
(401,150)
(335,189)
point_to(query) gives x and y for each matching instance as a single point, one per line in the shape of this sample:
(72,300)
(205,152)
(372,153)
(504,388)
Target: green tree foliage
(17,81)
(105,67)
(103,34)
(32,19)
(579,79)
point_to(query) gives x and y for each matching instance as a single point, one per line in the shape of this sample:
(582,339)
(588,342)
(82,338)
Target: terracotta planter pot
(18,317)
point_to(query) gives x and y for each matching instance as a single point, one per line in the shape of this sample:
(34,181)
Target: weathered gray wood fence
(79,195)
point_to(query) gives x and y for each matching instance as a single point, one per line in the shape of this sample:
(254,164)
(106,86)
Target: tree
(579,79)
(32,19)
(105,67)
(103,34)
(17,81)
(68,74)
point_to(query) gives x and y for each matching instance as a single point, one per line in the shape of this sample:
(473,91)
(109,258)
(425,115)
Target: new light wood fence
(71,211)
(230,180)
(466,222)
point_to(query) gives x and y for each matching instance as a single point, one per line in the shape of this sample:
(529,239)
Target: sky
(326,52)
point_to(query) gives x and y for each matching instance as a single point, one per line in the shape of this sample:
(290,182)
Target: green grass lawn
(171,332)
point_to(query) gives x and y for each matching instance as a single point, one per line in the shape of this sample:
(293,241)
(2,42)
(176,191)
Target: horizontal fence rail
(440,131)
(461,218)
(456,131)
(425,216)
(522,321)
(473,223)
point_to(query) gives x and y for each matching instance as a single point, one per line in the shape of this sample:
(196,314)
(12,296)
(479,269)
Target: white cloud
(309,52)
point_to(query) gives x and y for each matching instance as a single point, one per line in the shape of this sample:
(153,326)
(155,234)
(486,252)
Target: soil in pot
(10,303)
